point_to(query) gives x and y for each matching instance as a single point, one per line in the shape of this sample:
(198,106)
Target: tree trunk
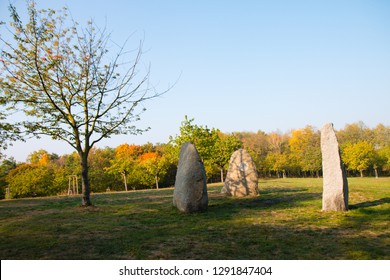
(85,180)
(156,178)
(376,173)
(125,180)
(222,180)
(361,173)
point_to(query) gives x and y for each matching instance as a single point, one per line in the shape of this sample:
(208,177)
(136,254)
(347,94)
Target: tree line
(365,152)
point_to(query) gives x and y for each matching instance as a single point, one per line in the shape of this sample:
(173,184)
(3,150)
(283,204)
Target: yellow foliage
(44,160)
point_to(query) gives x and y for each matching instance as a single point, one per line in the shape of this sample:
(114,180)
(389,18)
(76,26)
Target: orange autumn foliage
(147,156)
(128,151)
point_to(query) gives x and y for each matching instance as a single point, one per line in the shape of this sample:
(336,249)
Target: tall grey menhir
(335,184)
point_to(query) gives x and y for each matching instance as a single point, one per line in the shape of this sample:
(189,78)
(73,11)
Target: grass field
(284,222)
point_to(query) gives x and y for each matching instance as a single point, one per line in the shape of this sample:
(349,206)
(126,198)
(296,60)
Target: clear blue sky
(248,65)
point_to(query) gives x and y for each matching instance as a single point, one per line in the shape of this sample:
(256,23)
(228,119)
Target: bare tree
(64,80)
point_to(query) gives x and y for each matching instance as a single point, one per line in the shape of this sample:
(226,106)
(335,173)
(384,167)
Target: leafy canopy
(62,77)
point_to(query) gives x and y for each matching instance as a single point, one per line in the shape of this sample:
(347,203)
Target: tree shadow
(270,190)
(370,203)
(291,198)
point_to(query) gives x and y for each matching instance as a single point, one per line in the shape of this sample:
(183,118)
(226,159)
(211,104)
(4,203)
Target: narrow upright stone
(335,184)
(241,178)
(190,193)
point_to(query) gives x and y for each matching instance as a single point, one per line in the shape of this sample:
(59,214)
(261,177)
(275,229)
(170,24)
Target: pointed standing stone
(190,193)
(242,178)
(335,184)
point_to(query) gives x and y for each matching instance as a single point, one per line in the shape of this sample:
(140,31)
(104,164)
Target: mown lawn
(284,222)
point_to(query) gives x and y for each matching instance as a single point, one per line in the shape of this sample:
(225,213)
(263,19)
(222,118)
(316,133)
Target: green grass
(284,222)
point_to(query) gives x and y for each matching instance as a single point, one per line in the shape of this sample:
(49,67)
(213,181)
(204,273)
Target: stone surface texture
(190,193)
(335,184)
(242,177)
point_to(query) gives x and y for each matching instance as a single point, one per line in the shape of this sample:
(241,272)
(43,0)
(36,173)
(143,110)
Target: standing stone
(241,178)
(190,193)
(335,189)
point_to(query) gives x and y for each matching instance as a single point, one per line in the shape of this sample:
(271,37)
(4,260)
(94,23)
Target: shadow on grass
(268,190)
(273,200)
(370,203)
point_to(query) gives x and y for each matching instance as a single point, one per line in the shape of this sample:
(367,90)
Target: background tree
(41,157)
(353,133)
(381,136)
(381,142)
(279,163)
(371,154)
(277,141)
(62,77)
(101,180)
(202,137)
(277,158)
(71,163)
(125,161)
(379,161)
(150,164)
(6,166)
(305,149)
(42,175)
(224,147)
(257,146)
(384,154)
(359,156)
(170,161)
(156,164)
